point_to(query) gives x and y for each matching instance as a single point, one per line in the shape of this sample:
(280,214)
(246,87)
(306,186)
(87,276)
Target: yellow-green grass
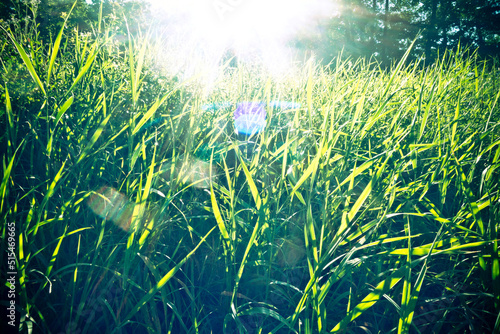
(372,207)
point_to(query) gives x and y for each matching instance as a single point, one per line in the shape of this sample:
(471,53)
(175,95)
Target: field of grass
(371,208)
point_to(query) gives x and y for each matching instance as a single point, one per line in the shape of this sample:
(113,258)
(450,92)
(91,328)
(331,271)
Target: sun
(246,28)
(245,23)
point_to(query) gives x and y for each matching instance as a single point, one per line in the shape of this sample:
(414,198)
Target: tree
(385,28)
(431,32)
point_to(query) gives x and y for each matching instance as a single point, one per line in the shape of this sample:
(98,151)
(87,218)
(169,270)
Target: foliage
(385,28)
(372,207)
(50,14)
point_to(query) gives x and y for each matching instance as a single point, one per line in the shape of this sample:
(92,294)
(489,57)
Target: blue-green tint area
(142,196)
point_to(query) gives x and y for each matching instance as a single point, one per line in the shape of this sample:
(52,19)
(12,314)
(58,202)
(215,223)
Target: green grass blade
(313,167)
(251,184)
(395,72)
(57,43)
(249,246)
(263,311)
(145,195)
(49,194)
(95,136)
(359,109)
(6,175)
(372,298)
(423,121)
(360,201)
(410,300)
(455,120)
(54,255)
(8,109)
(309,89)
(28,63)
(147,116)
(406,313)
(217,214)
(63,109)
(90,61)
(140,62)
(163,281)
(357,171)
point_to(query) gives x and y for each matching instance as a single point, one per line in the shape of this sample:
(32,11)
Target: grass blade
(215,207)
(372,298)
(6,175)
(163,281)
(27,62)
(63,109)
(90,61)
(95,136)
(57,43)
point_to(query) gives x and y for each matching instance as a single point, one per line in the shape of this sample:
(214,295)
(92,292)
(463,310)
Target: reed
(370,204)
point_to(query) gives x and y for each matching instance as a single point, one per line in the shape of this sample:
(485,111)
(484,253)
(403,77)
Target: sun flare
(257,29)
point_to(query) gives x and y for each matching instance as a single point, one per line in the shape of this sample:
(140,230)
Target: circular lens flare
(250,118)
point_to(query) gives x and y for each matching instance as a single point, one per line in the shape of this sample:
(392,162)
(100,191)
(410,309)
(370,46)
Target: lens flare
(112,205)
(250,118)
(190,171)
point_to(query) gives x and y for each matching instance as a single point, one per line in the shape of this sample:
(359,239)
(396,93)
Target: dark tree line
(385,28)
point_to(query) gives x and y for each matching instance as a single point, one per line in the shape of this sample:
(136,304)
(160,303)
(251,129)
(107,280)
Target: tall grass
(372,208)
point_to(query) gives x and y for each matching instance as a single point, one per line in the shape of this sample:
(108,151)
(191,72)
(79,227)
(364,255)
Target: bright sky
(250,28)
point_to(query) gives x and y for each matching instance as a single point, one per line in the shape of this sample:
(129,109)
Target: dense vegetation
(371,208)
(386,27)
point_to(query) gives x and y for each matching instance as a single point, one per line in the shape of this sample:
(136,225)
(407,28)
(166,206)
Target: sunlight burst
(251,30)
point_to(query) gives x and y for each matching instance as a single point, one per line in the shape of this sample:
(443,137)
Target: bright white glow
(249,29)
